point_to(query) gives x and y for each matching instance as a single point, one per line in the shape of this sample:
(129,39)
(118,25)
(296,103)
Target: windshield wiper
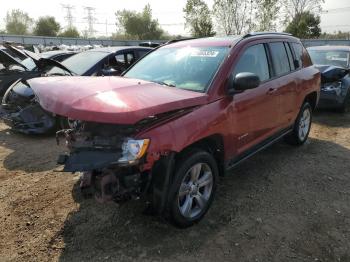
(164,83)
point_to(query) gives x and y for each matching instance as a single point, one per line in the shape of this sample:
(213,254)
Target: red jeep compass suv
(181,116)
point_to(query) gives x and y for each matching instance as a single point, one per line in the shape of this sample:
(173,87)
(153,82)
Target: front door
(256,110)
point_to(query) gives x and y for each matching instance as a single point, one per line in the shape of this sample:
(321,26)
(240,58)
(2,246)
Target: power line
(336,10)
(90,20)
(69,16)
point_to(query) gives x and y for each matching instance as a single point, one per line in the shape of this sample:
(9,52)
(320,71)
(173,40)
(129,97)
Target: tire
(190,206)
(302,126)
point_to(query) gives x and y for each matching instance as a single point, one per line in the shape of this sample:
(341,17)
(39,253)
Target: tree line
(225,17)
(235,17)
(18,22)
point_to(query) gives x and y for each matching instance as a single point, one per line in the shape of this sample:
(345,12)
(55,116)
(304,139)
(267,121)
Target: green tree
(292,8)
(198,18)
(18,22)
(234,17)
(47,26)
(70,32)
(305,25)
(267,14)
(139,25)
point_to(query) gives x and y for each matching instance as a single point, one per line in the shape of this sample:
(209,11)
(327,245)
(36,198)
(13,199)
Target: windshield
(29,63)
(79,63)
(335,58)
(183,67)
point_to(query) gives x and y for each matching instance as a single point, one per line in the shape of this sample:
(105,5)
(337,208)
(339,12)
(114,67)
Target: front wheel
(302,126)
(193,189)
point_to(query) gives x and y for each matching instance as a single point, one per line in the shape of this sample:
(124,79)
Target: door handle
(271,91)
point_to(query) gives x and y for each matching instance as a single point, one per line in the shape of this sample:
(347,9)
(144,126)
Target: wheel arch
(312,99)
(213,144)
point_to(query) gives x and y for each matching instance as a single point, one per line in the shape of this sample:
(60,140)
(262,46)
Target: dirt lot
(284,204)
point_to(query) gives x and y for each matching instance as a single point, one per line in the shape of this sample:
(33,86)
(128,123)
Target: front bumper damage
(20,111)
(31,119)
(95,150)
(332,98)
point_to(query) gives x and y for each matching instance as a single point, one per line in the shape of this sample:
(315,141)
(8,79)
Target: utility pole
(90,20)
(69,16)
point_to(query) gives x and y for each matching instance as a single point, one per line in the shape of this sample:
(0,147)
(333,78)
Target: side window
(122,61)
(120,58)
(298,51)
(142,53)
(130,58)
(254,60)
(279,58)
(290,56)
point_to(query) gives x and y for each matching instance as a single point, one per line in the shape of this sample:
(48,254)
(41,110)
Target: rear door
(283,81)
(256,113)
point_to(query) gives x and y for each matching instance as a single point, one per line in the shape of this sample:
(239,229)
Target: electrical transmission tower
(90,20)
(69,16)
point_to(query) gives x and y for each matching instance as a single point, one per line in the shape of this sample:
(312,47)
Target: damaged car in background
(181,116)
(20,109)
(23,64)
(334,65)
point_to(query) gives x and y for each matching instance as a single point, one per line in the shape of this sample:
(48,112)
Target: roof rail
(265,33)
(179,40)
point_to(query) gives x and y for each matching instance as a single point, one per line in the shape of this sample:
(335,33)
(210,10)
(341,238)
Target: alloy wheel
(195,190)
(304,124)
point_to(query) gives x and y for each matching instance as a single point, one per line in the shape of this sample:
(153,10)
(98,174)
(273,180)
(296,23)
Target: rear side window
(254,60)
(279,58)
(290,56)
(298,50)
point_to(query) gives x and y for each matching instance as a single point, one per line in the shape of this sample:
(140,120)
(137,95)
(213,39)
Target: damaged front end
(109,159)
(335,84)
(21,111)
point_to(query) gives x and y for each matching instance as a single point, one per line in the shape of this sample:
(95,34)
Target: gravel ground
(284,204)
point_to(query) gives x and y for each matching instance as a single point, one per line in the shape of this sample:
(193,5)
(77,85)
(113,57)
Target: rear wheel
(192,191)
(302,126)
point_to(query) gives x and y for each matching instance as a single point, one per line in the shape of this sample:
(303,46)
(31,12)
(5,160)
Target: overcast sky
(169,13)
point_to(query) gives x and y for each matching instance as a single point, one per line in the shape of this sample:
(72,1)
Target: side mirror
(243,81)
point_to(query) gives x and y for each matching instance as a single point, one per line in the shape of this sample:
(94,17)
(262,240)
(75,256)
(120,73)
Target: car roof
(207,41)
(57,52)
(229,40)
(113,49)
(330,48)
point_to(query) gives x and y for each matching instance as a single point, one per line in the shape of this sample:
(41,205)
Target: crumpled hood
(331,73)
(114,100)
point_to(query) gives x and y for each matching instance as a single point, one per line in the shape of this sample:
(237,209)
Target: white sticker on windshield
(204,53)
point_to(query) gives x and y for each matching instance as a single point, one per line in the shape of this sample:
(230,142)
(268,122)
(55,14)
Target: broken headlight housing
(335,86)
(133,150)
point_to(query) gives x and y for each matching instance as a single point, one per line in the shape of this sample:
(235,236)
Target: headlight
(133,150)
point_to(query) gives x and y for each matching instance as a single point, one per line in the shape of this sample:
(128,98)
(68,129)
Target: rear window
(279,58)
(330,57)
